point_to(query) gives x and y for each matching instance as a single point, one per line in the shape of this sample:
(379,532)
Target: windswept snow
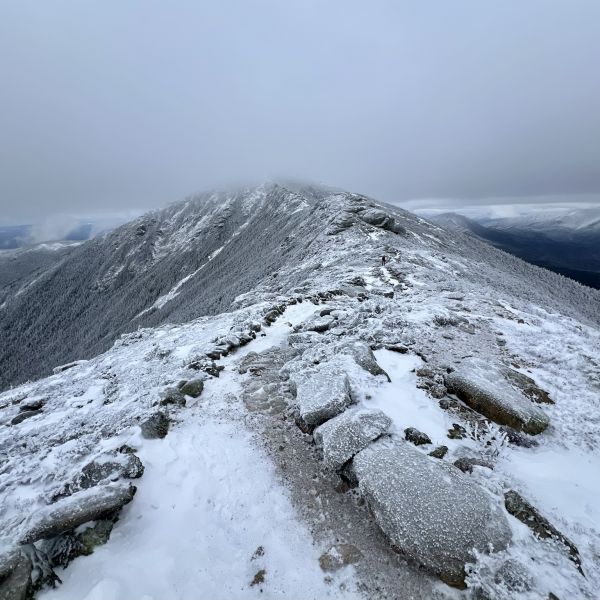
(208,500)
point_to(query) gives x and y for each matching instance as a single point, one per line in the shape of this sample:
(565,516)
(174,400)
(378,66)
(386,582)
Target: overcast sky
(119,105)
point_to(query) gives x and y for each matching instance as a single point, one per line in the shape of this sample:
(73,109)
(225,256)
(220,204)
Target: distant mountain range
(17,236)
(566,242)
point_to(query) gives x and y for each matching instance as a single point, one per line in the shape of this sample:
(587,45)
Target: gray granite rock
(321,394)
(350,432)
(484,388)
(429,510)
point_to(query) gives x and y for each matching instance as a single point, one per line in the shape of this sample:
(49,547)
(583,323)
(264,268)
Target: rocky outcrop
(420,505)
(381,219)
(483,387)
(69,513)
(347,434)
(517,506)
(321,394)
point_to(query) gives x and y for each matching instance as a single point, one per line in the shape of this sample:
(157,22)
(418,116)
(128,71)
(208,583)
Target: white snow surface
(208,500)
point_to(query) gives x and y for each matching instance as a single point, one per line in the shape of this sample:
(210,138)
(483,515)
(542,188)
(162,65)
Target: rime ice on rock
(352,431)
(322,393)
(75,510)
(483,387)
(428,509)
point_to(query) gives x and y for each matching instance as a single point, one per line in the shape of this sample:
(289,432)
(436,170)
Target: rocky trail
(373,432)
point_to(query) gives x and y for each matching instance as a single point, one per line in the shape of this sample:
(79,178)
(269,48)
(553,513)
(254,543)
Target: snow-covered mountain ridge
(318,343)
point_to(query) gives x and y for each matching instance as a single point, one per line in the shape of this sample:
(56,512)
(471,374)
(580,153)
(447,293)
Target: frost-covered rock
(428,509)
(69,513)
(17,583)
(483,387)
(9,556)
(68,366)
(347,434)
(418,438)
(528,386)
(111,467)
(26,414)
(172,396)
(378,218)
(319,324)
(466,464)
(517,506)
(439,452)
(321,394)
(156,426)
(364,357)
(192,388)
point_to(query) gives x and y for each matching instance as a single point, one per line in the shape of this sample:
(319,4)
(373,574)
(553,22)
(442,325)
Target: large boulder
(484,388)
(321,393)
(71,512)
(431,512)
(347,434)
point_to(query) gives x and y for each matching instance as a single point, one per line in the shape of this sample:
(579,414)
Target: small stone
(338,556)
(517,506)
(458,432)
(397,348)
(437,391)
(466,464)
(439,452)
(418,438)
(259,578)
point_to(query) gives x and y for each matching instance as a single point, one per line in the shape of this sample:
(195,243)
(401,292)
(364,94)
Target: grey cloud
(111,105)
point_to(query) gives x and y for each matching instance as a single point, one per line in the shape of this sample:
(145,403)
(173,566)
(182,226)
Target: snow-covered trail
(210,516)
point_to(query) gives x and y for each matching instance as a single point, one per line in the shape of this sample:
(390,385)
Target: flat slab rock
(347,434)
(321,393)
(69,513)
(485,389)
(431,513)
